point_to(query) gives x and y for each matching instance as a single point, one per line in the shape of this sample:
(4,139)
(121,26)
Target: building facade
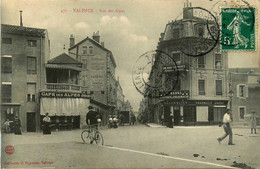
(245,85)
(120,97)
(24,52)
(98,72)
(200,93)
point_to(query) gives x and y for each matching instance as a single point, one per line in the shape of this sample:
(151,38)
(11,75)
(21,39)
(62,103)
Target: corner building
(200,95)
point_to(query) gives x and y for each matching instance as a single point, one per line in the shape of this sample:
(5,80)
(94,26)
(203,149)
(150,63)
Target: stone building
(245,85)
(200,93)
(120,96)
(98,72)
(24,52)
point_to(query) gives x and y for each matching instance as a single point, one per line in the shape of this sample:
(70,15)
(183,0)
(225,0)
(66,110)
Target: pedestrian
(46,124)
(227,128)
(253,122)
(7,126)
(171,120)
(17,126)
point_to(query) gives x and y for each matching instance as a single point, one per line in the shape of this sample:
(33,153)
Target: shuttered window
(201,84)
(6,93)
(201,62)
(218,61)
(31,90)
(6,64)
(218,87)
(31,65)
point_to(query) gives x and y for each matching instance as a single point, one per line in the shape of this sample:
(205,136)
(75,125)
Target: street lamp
(231,93)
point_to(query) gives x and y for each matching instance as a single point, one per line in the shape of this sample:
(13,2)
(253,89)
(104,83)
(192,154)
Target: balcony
(63,86)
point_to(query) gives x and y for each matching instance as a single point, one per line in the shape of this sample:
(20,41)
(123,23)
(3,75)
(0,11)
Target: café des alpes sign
(64,95)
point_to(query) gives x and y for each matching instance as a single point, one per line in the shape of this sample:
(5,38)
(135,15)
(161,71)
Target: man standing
(227,128)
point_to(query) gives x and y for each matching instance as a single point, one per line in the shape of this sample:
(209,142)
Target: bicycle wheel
(85,135)
(98,138)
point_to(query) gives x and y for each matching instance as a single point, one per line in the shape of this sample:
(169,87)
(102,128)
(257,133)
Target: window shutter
(237,90)
(246,91)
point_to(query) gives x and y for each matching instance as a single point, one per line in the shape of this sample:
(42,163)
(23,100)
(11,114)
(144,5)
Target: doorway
(31,122)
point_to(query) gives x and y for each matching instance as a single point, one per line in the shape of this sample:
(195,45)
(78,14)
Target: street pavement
(134,147)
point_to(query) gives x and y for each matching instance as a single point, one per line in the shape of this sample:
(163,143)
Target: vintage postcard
(130,84)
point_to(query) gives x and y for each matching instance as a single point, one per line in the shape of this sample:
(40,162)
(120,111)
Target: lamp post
(231,93)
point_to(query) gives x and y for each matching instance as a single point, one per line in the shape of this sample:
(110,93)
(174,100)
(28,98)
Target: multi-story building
(245,86)
(120,96)
(98,73)
(201,94)
(24,52)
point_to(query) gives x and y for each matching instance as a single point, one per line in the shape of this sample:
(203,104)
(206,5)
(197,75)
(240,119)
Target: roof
(63,59)
(21,30)
(97,44)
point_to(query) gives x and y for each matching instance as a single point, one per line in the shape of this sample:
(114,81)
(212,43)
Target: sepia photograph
(130,84)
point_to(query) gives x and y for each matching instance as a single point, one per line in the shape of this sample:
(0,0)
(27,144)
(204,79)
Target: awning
(63,106)
(56,66)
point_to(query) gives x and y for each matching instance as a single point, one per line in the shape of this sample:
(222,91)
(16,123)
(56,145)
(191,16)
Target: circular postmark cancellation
(155,74)
(200,41)
(9,149)
(237,24)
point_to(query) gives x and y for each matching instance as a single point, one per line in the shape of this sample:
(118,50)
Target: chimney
(96,36)
(72,40)
(187,11)
(103,44)
(21,18)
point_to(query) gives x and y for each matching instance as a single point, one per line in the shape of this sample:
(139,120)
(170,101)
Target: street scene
(130,84)
(137,146)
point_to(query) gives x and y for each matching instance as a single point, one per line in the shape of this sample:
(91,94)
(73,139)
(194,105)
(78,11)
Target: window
(6,40)
(6,64)
(31,65)
(84,61)
(201,62)
(242,90)
(200,32)
(85,49)
(91,50)
(6,92)
(242,111)
(218,64)
(102,92)
(32,43)
(31,90)
(201,87)
(218,87)
(91,92)
(176,33)
(176,56)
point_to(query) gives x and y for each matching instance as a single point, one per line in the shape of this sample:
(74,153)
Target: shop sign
(182,94)
(173,68)
(64,95)
(192,102)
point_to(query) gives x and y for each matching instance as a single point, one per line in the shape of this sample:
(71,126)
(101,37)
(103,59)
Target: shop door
(31,122)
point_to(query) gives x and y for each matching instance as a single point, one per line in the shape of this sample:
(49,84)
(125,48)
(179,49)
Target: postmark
(155,74)
(205,32)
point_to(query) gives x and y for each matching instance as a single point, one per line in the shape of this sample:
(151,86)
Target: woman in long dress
(253,122)
(46,124)
(17,126)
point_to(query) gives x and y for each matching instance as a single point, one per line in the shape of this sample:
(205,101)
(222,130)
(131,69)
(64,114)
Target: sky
(128,34)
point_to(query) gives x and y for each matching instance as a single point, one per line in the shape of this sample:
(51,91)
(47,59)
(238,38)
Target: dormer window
(176,33)
(200,32)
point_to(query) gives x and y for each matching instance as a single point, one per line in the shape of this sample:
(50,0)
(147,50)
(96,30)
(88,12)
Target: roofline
(23,26)
(93,41)
(79,63)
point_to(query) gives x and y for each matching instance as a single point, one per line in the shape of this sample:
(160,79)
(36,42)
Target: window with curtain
(201,62)
(201,84)
(219,87)
(6,64)
(31,91)
(31,65)
(218,61)
(6,93)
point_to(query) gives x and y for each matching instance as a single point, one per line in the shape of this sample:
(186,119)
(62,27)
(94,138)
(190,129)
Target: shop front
(194,112)
(67,110)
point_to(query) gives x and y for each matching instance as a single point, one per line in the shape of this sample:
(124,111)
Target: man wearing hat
(227,128)
(92,118)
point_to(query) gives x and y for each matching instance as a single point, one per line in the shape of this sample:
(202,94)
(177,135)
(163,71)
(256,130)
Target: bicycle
(86,134)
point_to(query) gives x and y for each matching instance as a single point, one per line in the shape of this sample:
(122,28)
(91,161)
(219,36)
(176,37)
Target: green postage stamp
(238,28)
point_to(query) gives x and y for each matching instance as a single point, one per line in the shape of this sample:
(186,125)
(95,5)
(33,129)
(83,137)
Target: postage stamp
(238,28)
